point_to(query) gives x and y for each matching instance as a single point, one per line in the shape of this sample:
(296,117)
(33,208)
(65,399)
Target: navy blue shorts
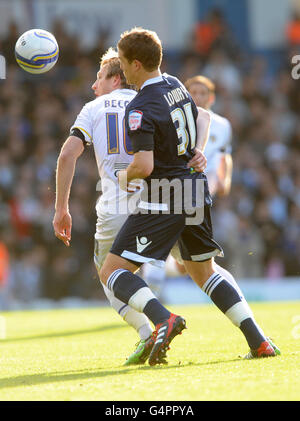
(150,237)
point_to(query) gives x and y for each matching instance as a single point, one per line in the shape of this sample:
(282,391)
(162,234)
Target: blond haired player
(101,124)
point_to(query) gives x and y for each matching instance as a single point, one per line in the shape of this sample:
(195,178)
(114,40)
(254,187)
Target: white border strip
(153,206)
(205,256)
(142,259)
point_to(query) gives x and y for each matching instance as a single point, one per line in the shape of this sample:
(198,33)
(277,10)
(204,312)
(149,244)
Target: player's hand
(131,187)
(122,180)
(134,186)
(198,162)
(62,224)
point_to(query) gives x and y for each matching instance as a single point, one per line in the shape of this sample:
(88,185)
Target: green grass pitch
(72,355)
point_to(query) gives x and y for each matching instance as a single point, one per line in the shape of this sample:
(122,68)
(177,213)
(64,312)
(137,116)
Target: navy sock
(133,290)
(156,312)
(252,334)
(224,296)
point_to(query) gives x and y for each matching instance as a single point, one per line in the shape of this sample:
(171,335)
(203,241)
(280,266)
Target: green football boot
(142,352)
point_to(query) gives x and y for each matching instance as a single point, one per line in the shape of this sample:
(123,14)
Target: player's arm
(142,138)
(224,170)
(70,152)
(140,168)
(203,126)
(225,174)
(198,162)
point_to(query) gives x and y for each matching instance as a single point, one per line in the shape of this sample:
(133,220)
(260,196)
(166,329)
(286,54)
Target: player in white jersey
(101,124)
(218,148)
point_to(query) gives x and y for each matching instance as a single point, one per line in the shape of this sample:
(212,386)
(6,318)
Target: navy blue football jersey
(162,117)
(166,111)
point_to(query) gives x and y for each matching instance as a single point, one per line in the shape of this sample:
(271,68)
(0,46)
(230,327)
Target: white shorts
(106,230)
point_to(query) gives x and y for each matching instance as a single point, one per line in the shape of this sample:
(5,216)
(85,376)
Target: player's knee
(199,271)
(104,273)
(99,275)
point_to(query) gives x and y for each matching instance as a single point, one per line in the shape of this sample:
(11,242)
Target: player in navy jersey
(101,124)
(162,111)
(161,122)
(164,101)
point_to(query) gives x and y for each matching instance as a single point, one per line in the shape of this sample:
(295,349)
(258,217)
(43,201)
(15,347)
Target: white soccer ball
(36,51)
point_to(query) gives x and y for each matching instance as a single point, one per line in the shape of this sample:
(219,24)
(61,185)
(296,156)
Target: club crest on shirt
(135,119)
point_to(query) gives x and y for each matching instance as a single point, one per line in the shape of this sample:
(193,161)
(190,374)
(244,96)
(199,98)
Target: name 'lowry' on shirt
(176,95)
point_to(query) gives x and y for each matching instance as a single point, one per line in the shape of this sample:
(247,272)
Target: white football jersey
(219,142)
(102,123)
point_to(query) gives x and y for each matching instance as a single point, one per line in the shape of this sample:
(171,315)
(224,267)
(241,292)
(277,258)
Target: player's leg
(144,238)
(230,278)
(175,254)
(132,317)
(198,250)
(155,277)
(106,232)
(228,300)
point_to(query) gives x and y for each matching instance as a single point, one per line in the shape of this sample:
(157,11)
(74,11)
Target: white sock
(145,331)
(137,320)
(116,304)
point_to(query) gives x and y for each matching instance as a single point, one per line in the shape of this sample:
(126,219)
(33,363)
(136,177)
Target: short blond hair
(142,45)
(110,58)
(203,80)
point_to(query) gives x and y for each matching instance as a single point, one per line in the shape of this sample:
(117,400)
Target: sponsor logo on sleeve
(135,119)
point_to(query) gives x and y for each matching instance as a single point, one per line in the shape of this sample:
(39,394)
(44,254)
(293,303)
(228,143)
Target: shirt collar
(123,90)
(151,81)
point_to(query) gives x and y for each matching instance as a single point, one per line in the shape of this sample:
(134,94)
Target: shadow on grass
(64,333)
(42,378)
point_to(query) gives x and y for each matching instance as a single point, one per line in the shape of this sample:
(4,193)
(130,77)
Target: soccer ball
(36,51)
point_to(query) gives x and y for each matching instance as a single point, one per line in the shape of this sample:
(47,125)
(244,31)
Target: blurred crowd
(258,224)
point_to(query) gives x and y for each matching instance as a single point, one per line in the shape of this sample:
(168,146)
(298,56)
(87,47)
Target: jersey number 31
(185,119)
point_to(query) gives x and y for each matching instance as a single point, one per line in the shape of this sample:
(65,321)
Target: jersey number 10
(113,135)
(185,118)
